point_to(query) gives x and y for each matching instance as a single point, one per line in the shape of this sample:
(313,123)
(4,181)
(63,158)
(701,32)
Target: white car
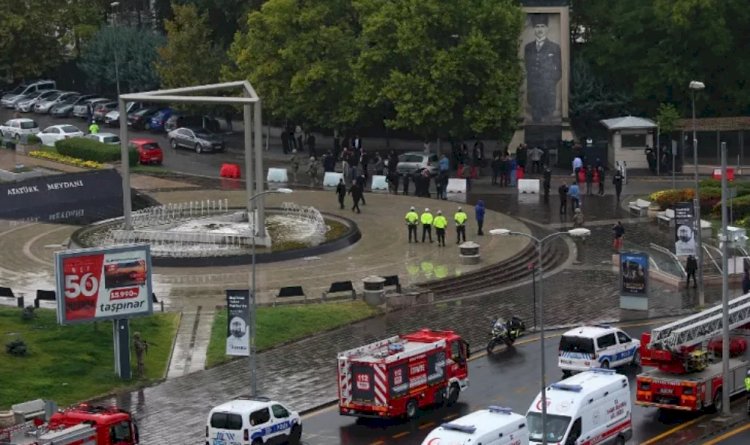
(15,128)
(105,138)
(55,133)
(113,117)
(253,420)
(589,347)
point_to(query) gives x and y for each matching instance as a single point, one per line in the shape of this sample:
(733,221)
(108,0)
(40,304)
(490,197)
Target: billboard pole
(121,334)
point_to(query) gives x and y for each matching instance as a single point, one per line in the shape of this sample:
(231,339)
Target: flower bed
(57,157)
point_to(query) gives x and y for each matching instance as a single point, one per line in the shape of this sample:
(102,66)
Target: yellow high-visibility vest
(426,218)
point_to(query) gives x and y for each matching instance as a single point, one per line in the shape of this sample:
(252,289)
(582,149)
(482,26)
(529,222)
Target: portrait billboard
(684,229)
(238,322)
(103,283)
(543,62)
(634,274)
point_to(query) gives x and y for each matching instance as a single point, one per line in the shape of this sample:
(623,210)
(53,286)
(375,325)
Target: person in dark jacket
(406,183)
(617,181)
(495,168)
(361,180)
(479,213)
(563,191)
(600,170)
(341,192)
(746,282)
(589,179)
(356,191)
(547,182)
(691,267)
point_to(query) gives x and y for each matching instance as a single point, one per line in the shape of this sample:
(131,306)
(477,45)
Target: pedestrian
(466,174)
(600,170)
(578,218)
(94,127)
(691,267)
(577,165)
(589,179)
(444,164)
(443,181)
(520,158)
(747,389)
(618,230)
(341,192)
(294,165)
(312,170)
(412,219)
(504,170)
(547,181)
(460,218)
(379,165)
(298,137)
(513,170)
(535,156)
(746,282)
(617,181)
(479,213)
(426,219)
(440,224)
(141,348)
(311,144)
(495,164)
(563,192)
(393,179)
(361,181)
(406,183)
(356,191)
(575,196)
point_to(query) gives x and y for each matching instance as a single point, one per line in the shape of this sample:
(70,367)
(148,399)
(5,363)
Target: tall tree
(188,58)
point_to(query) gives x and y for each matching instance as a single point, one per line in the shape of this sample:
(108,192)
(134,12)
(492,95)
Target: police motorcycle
(505,332)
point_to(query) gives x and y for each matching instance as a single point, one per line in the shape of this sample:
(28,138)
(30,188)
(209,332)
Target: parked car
(84,110)
(190,120)
(10,99)
(149,151)
(413,161)
(65,109)
(113,117)
(101,110)
(15,128)
(55,133)
(27,105)
(45,105)
(105,138)
(141,119)
(198,139)
(159,119)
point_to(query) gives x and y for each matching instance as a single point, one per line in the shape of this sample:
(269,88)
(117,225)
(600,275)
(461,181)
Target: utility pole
(726,411)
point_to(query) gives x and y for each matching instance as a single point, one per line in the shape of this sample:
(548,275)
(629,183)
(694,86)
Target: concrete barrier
(379,183)
(331,179)
(456,185)
(277,175)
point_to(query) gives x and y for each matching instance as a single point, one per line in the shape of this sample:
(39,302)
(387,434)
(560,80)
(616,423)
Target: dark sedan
(198,139)
(141,119)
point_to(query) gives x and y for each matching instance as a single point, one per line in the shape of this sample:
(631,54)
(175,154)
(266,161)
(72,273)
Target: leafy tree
(224,16)
(591,100)
(188,57)
(135,50)
(667,117)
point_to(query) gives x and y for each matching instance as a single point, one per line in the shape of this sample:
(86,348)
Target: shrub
(33,139)
(91,150)
(709,197)
(16,347)
(668,198)
(740,208)
(57,157)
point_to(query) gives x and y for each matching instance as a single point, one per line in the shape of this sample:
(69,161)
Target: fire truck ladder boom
(700,327)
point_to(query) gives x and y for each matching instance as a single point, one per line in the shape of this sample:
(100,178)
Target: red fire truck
(684,372)
(79,425)
(397,376)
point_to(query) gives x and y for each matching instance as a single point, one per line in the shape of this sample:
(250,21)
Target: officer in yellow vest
(412,219)
(426,220)
(747,388)
(440,224)
(460,218)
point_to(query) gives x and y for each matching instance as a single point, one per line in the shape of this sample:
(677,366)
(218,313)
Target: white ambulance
(600,346)
(592,407)
(492,426)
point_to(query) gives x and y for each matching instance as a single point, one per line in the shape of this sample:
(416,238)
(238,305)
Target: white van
(252,421)
(492,426)
(590,407)
(589,347)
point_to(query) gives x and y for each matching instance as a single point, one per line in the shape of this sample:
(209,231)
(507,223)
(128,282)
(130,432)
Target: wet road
(742,437)
(507,378)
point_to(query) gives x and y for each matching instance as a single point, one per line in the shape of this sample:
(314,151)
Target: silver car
(45,105)
(198,139)
(27,105)
(413,161)
(85,109)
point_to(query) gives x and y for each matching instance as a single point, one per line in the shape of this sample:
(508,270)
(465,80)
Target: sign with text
(238,322)
(103,283)
(684,226)
(634,274)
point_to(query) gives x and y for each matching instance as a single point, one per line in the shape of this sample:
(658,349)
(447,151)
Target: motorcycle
(505,332)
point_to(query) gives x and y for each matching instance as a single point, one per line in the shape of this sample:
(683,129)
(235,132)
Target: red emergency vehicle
(80,425)
(684,372)
(397,376)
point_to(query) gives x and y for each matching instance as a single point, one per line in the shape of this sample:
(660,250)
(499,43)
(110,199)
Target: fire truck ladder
(700,327)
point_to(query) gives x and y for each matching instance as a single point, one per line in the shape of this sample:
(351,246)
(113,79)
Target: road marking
(426,425)
(728,434)
(667,433)
(379,442)
(451,416)
(400,435)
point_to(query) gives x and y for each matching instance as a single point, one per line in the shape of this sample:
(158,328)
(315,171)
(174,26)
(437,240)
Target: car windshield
(145,111)
(110,139)
(411,158)
(71,99)
(28,124)
(576,344)
(18,90)
(69,129)
(53,96)
(557,426)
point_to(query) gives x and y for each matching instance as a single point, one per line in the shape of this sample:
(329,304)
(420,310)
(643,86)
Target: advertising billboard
(103,283)
(634,274)
(684,229)
(238,318)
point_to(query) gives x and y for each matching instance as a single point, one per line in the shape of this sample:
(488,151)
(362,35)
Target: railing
(676,263)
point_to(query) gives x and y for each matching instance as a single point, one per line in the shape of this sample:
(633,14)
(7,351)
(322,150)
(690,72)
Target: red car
(148,150)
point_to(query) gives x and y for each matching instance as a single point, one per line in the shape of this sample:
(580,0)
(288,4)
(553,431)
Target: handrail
(668,252)
(713,260)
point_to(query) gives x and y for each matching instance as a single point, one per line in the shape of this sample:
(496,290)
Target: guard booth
(628,138)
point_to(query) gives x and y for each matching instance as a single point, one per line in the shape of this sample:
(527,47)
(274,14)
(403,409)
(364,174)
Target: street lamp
(114,5)
(575,233)
(697,86)
(251,337)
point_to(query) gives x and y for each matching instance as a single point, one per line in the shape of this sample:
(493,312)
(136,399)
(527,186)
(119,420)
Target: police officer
(747,388)
(411,223)
(440,224)
(94,127)
(426,220)
(460,218)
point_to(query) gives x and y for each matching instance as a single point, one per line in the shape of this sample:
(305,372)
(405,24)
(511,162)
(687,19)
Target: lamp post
(114,5)
(696,86)
(251,337)
(575,233)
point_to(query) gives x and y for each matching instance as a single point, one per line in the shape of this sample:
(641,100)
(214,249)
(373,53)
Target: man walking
(356,191)
(617,181)
(479,213)
(341,192)
(547,182)
(460,218)
(535,156)
(575,196)
(312,170)
(600,170)
(618,231)
(691,267)
(589,179)
(563,192)
(361,180)
(426,220)
(440,224)
(294,164)
(411,223)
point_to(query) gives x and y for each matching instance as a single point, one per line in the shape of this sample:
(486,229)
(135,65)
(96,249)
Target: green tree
(188,58)
(591,100)
(135,50)
(667,117)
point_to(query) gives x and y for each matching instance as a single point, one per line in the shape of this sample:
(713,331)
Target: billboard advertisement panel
(684,229)
(238,322)
(103,283)
(634,274)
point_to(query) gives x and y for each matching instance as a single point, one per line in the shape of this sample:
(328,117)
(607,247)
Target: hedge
(91,150)
(666,199)
(740,207)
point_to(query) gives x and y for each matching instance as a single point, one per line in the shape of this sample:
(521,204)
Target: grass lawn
(68,364)
(281,324)
(149,169)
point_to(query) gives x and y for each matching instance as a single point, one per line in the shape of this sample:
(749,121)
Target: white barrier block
(331,179)
(277,175)
(456,185)
(379,183)
(528,186)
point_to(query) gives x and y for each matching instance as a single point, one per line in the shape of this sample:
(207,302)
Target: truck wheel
(257,442)
(717,402)
(637,358)
(411,409)
(620,440)
(453,392)
(567,374)
(440,397)
(296,435)
(604,364)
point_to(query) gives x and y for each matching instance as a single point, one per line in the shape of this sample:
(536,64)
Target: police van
(492,426)
(599,346)
(592,407)
(253,421)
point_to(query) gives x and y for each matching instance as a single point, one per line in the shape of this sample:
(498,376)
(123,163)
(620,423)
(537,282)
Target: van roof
(242,406)
(479,423)
(588,331)
(567,396)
